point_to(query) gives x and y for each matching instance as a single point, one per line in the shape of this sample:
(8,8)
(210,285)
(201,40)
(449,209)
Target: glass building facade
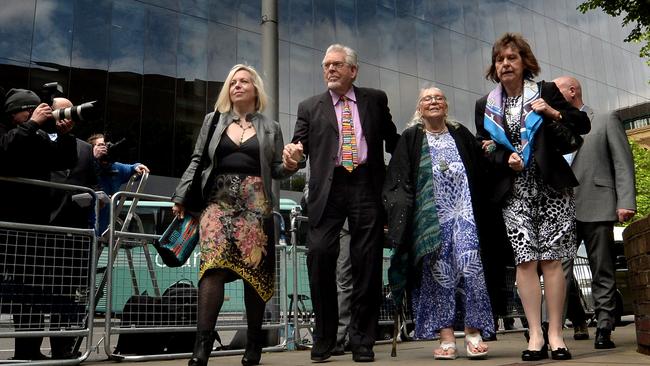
(156,66)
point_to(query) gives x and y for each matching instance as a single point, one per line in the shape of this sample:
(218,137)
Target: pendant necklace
(243,129)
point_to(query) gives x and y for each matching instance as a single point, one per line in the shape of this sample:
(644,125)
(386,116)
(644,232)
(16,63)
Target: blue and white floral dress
(452,287)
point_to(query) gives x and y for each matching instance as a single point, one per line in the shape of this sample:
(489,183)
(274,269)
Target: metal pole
(269,27)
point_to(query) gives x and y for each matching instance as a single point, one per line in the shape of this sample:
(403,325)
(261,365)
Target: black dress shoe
(322,350)
(363,354)
(532,355)
(561,354)
(603,339)
(339,349)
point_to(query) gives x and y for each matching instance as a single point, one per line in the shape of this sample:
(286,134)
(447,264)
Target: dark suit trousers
(351,197)
(599,237)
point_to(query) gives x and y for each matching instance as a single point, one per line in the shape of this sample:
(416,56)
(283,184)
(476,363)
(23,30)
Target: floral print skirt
(236,232)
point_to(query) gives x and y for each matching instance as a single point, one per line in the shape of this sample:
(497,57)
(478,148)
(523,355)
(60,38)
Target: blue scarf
(494,120)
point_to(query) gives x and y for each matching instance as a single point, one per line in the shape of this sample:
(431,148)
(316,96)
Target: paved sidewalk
(505,351)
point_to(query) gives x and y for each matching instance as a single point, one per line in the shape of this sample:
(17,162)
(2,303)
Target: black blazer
(554,169)
(317,130)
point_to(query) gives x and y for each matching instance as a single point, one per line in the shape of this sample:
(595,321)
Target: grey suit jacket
(605,169)
(271,143)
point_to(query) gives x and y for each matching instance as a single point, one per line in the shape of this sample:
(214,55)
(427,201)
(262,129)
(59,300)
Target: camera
(83,112)
(113,149)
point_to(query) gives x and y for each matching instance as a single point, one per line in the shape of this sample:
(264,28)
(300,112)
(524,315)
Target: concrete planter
(636,238)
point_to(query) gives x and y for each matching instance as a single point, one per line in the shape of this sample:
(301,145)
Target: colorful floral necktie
(349,156)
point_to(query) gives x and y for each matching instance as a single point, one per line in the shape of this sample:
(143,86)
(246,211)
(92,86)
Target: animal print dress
(540,221)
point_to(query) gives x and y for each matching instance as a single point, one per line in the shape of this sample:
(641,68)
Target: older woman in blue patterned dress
(441,164)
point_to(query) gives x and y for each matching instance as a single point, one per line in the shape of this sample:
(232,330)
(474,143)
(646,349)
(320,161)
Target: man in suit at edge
(342,132)
(605,169)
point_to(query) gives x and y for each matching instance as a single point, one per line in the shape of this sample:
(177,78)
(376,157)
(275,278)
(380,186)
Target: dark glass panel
(190,110)
(409,91)
(156,139)
(249,15)
(346,23)
(161,41)
(324,24)
(420,9)
(53,32)
(406,50)
(389,83)
(284,20)
(541,38)
(442,49)
(368,32)
(87,85)
(223,11)
(167,4)
(16,27)
(40,74)
(127,37)
(424,49)
(471,15)
(368,76)
(405,7)
(123,113)
(249,48)
(284,69)
(90,48)
(302,79)
(14,74)
(302,22)
(387,35)
(221,50)
(192,55)
(197,8)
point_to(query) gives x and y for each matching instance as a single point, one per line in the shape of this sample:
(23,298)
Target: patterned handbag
(177,242)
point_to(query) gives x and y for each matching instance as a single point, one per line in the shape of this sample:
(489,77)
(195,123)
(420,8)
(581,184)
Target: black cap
(20,100)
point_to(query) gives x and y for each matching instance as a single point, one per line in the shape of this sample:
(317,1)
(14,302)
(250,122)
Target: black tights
(211,294)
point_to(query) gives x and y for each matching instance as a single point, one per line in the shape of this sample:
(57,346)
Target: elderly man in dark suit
(605,169)
(342,132)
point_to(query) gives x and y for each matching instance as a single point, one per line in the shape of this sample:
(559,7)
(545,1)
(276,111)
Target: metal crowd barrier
(47,279)
(137,305)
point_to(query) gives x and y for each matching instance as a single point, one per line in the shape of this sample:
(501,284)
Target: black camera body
(83,112)
(113,150)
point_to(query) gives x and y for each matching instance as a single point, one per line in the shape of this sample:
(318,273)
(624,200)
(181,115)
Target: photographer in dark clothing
(27,151)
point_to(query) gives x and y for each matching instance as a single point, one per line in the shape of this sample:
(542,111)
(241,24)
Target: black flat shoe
(561,354)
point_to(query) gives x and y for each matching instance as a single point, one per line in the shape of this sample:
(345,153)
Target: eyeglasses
(338,65)
(431,98)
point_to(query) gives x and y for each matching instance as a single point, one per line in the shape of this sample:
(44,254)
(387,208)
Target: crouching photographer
(27,151)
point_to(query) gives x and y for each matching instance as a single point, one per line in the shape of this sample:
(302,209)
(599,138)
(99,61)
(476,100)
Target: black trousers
(599,238)
(351,197)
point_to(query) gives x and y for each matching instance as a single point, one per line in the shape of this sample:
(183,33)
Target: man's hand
(140,169)
(41,114)
(624,214)
(291,155)
(515,162)
(64,126)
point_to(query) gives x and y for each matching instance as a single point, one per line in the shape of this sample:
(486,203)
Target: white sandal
(446,346)
(472,341)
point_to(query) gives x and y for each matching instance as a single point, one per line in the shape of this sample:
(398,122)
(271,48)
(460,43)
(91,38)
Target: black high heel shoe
(533,355)
(253,352)
(202,348)
(561,354)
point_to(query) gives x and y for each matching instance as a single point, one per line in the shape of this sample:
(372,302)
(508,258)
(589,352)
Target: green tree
(636,12)
(642,169)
